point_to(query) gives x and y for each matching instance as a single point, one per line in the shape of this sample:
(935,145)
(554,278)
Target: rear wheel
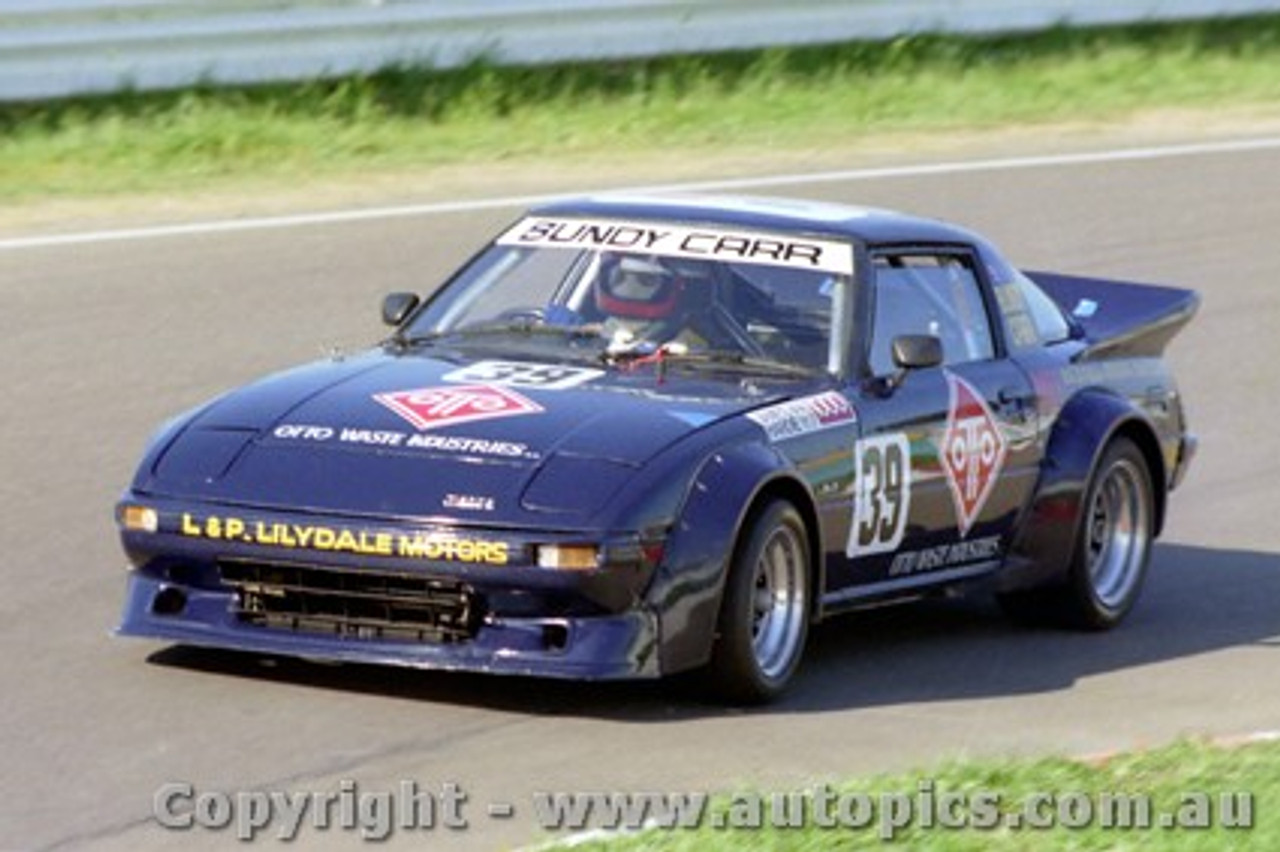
(764,617)
(1112,547)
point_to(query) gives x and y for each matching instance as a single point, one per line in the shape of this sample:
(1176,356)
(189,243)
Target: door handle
(1014,402)
(1011,394)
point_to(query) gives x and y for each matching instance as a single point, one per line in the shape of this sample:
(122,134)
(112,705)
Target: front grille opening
(353,603)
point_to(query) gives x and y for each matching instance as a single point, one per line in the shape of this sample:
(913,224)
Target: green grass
(1173,777)
(807,98)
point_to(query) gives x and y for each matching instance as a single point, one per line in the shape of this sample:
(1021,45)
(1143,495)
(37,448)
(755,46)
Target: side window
(1045,313)
(928,293)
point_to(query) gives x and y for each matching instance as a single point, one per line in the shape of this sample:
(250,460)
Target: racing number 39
(882,494)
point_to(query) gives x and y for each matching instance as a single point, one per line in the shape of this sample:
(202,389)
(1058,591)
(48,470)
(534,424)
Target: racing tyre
(764,617)
(1112,548)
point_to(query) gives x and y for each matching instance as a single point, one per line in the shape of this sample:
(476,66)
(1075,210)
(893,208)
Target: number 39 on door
(882,494)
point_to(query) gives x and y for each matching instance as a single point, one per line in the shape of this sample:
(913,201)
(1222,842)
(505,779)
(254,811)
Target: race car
(641,435)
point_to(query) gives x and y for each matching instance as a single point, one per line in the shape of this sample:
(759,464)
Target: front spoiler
(586,648)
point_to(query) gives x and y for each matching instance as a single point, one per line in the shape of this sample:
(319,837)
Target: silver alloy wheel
(1119,533)
(778,602)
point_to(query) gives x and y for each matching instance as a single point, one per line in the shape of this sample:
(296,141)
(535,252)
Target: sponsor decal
(429,546)
(973,451)
(882,495)
(520,374)
(1085,308)
(411,545)
(468,502)
(472,446)
(402,440)
(945,556)
(804,416)
(667,240)
(1114,372)
(432,408)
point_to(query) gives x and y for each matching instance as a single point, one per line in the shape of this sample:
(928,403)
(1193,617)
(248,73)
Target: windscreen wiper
(678,353)
(526,327)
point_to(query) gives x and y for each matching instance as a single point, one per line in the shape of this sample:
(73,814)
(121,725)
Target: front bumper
(434,596)
(592,647)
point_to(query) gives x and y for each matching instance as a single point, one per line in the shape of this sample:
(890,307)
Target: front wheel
(764,617)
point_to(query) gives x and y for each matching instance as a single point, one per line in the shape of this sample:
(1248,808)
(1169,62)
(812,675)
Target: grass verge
(807,98)
(1186,796)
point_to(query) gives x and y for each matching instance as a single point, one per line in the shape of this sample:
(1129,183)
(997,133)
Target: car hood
(406,435)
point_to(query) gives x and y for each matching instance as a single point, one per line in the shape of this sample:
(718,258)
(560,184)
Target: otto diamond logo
(431,408)
(973,451)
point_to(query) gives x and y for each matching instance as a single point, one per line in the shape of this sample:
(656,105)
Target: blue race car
(636,436)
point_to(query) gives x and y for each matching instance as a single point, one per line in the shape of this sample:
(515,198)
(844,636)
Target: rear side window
(927,293)
(1047,317)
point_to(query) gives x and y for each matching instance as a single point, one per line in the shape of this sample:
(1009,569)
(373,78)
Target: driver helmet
(638,288)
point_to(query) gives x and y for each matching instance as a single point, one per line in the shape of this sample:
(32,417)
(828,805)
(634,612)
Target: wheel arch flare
(1090,420)
(729,489)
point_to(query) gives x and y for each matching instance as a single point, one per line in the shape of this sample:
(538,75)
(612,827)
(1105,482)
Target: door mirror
(917,351)
(396,307)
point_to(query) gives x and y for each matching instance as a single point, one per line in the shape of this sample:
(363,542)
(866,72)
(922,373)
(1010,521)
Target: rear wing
(1120,318)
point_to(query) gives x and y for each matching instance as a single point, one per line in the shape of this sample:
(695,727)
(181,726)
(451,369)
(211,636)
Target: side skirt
(903,589)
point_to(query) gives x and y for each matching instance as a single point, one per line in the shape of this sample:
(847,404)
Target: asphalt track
(100,340)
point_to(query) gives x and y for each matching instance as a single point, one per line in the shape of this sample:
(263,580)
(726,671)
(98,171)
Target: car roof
(867,224)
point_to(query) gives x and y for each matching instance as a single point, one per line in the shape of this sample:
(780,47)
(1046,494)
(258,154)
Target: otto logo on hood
(431,408)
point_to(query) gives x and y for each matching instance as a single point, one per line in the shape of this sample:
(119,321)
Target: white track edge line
(1237,146)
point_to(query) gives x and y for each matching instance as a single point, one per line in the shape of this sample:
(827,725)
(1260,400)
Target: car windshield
(625,290)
